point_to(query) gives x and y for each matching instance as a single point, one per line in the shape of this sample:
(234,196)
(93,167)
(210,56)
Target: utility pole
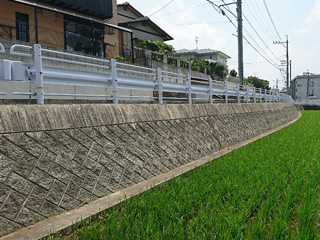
(288,89)
(308,80)
(240,42)
(288,73)
(240,34)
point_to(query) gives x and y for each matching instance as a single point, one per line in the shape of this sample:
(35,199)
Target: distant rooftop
(200,52)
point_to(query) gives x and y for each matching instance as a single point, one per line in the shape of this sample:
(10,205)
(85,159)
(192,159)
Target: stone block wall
(55,157)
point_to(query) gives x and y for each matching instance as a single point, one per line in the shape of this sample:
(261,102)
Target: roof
(71,14)
(306,76)
(96,8)
(142,18)
(200,52)
(128,5)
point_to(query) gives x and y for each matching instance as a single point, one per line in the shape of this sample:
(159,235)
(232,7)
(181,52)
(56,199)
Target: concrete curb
(65,221)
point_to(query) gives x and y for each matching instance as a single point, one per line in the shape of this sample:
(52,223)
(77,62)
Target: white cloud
(311,21)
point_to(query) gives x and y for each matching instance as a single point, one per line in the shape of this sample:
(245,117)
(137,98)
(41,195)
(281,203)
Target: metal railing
(118,75)
(2,49)
(310,102)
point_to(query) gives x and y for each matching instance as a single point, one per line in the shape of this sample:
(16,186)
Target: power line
(161,8)
(272,63)
(187,9)
(256,62)
(277,13)
(253,13)
(272,20)
(182,24)
(259,36)
(215,6)
(262,16)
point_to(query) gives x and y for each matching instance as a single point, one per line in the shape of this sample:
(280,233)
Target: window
(84,36)
(22,27)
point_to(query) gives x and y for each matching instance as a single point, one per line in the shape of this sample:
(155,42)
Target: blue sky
(300,20)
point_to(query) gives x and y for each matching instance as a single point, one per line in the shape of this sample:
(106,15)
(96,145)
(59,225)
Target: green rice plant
(265,190)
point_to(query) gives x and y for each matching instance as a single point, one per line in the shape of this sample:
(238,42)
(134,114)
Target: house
(207,54)
(306,87)
(142,26)
(83,26)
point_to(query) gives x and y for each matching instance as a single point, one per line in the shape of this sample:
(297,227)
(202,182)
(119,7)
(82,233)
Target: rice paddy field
(268,189)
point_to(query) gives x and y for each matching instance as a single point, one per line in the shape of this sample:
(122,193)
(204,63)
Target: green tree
(198,64)
(219,70)
(155,46)
(233,73)
(257,82)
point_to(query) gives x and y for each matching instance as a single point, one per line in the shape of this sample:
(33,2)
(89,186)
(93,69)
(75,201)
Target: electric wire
(273,64)
(229,10)
(259,36)
(272,20)
(188,24)
(277,13)
(183,10)
(161,8)
(253,13)
(264,22)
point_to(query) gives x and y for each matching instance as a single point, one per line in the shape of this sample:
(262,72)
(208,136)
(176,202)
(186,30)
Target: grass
(268,189)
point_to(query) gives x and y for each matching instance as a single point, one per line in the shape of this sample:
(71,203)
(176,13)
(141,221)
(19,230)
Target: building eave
(165,35)
(53,9)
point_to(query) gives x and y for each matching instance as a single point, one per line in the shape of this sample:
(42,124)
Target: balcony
(96,8)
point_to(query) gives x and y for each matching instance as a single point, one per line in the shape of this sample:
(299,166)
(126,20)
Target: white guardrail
(153,79)
(2,49)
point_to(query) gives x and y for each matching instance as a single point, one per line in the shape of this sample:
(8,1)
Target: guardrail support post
(189,89)
(260,94)
(238,92)
(114,81)
(254,95)
(159,80)
(247,93)
(39,73)
(226,90)
(265,96)
(210,90)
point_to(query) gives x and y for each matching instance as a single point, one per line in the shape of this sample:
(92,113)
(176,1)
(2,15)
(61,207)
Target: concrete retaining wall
(56,157)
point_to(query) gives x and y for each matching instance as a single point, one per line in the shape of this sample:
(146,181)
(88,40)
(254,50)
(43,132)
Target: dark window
(22,27)
(84,36)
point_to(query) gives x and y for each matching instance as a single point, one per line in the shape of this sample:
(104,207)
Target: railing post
(189,89)
(39,73)
(238,92)
(114,81)
(265,96)
(159,80)
(273,97)
(226,90)
(247,93)
(254,95)
(260,95)
(210,90)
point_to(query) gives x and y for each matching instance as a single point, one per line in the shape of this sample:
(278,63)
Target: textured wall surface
(55,157)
